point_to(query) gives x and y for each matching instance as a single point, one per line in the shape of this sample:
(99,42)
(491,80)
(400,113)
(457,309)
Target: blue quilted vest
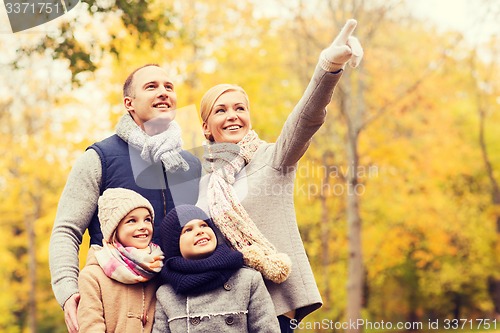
(122,166)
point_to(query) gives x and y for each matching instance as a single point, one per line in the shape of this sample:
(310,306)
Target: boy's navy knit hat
(194,277)
(171,227)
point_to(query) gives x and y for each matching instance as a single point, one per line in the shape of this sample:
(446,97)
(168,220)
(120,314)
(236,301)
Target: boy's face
(136,229)
(197,240)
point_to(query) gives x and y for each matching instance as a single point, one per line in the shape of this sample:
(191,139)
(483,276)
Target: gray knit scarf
(224,161)
(164,147)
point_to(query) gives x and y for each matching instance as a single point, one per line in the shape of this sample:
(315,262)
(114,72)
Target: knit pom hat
(171,227)
(114,204)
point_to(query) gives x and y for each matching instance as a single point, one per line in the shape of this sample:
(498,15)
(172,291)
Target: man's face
(153,96)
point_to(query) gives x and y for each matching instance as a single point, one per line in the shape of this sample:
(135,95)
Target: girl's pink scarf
(129,265)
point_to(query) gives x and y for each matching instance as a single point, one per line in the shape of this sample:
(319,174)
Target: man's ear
(127,102)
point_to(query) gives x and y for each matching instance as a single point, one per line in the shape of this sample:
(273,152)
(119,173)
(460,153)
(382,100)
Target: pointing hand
(345,48)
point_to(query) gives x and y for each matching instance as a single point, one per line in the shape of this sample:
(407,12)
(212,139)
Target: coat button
(195,321)
(230,320)
(227,286)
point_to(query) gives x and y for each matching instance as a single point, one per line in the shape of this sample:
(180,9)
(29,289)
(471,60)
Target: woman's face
(229,119)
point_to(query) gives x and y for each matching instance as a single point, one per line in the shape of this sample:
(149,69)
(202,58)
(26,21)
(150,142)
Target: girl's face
(229,119)
(197,240)
(136,229)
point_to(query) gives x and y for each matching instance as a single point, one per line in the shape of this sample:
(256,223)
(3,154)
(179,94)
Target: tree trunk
(30,229)
(351,108)
(494,280)
(30,219)
(326,221)
(355,269)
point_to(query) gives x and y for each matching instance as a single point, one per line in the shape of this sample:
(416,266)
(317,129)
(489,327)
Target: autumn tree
(391,198)
(484,91)
(33,157)
(388,84)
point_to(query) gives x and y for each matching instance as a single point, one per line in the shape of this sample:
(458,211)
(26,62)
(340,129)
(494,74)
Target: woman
(243,173)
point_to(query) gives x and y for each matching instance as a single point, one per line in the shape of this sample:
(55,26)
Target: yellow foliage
(427,217)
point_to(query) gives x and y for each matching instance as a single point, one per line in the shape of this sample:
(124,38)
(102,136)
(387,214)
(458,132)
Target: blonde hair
(208,100)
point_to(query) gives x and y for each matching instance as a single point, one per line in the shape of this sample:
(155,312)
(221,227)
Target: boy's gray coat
(242,305)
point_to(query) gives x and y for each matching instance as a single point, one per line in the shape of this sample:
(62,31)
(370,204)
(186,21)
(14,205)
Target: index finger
(346,32)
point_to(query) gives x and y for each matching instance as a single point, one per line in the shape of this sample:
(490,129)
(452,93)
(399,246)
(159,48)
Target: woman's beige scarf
(224,161)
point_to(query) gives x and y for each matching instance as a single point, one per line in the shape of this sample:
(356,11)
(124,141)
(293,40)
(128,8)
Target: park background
(397,198)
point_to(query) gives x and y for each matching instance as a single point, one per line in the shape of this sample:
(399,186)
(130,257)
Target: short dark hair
(127,86)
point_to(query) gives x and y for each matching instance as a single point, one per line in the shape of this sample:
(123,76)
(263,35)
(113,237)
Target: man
(144,155)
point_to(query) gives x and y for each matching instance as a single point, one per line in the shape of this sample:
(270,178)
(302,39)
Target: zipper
(164,196)
(164,191)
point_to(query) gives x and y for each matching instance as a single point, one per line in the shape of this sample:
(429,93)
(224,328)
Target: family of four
(180,245)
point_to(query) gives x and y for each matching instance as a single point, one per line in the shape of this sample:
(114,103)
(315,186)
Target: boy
(206,288)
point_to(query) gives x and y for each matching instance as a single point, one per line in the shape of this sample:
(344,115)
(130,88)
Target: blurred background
(397,198)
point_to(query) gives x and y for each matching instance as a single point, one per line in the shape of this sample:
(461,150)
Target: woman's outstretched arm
(310,112)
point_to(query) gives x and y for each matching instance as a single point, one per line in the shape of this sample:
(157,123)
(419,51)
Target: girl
(117,285)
